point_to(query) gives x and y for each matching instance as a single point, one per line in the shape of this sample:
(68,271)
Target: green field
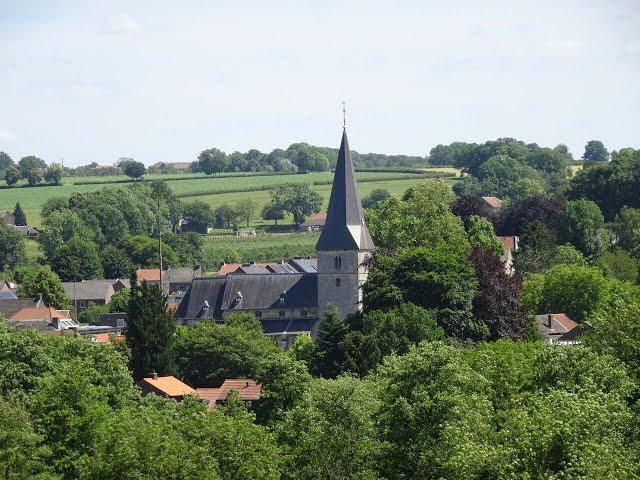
(257,249)
(204,189)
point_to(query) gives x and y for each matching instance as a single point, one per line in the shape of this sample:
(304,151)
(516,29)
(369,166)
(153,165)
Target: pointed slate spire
(344,228)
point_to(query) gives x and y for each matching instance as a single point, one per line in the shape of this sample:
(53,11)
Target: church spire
(344,228)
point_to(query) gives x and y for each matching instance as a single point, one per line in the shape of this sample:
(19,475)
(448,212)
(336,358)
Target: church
(290,298)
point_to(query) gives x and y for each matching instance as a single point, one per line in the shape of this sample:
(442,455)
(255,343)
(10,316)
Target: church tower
(344,243)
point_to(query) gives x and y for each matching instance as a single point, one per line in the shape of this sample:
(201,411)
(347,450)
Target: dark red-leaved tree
(467,205)
(513,219)
(496,302)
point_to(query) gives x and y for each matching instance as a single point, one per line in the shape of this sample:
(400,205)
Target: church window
(281,313)
(338,261)
(303,313)
(337,282)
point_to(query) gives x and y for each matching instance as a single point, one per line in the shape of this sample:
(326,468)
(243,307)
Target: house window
(82,304)
(259,314)
(120,323)
(303,313)
(281,313)
(337,282)
(338,261)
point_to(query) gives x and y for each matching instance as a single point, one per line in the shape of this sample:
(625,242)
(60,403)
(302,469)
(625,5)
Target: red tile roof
(148,274)
(109,338)
(249,390)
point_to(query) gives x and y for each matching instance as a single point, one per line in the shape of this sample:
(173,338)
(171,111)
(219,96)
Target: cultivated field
(258,249)
(210,190)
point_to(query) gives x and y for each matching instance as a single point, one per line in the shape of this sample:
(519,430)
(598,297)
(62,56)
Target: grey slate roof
(295,325)
(4,295)
(305,265)
(345,228)
(261,292)
(89,289)
(204,289)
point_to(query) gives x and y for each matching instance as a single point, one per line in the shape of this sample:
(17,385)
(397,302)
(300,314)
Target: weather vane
(344,115)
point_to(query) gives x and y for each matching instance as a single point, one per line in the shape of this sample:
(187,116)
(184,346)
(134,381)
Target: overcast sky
(162,80)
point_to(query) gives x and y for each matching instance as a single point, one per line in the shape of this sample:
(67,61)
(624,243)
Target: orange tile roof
(109,338)
(148,274)
(228,268)
(509,243)
(39,313)
(169,386)
(493,201)
(564,320)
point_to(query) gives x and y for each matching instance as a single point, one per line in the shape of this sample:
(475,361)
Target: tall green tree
(5,161)
(272,211)
(12,175)
(246,209)
(12,249)
(595,151)
(30,168)
(116,263)
(133,169)
(298,199)
(19,215)
(581,225)
(53,174)
(149,331)
(44,281)
(212,161)
(77,259)
(328,355)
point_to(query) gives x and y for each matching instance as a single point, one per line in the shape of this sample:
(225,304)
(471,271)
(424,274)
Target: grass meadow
(210,190)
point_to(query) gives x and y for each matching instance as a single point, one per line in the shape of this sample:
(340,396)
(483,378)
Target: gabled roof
(228,268)
(261,292)
(248,389)
(89,289)
(148,275)
(554,324)
(305,265)
(315,220)
(345,228)
(203,299)
(493,202)
(168,386)
(8,308)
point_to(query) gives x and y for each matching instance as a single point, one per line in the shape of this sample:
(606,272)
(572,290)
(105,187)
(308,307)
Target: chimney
(40,297)
(550,320)
(155,375)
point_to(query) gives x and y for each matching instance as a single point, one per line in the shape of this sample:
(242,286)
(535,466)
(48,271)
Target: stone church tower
(344,242)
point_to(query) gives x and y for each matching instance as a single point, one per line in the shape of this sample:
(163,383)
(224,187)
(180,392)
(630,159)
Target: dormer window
(338,261)
(283,298)
(237,299)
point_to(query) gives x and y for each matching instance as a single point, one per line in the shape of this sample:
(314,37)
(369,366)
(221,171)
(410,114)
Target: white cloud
(563,47)
(123,23)
(6,136)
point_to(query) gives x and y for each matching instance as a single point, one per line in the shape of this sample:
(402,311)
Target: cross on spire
(344,115)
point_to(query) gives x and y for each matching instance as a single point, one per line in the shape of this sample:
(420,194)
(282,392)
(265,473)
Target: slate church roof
(345,228)
(209,297)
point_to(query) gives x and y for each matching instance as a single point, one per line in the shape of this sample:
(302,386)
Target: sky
(93,80)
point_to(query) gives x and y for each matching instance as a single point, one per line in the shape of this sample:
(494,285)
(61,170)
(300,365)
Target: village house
(248,390)
(559,329)
(33,313)
(491,204)
(86,293)
(314,223)
(510,244)
(289,298)
(168,387)
(174,280)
